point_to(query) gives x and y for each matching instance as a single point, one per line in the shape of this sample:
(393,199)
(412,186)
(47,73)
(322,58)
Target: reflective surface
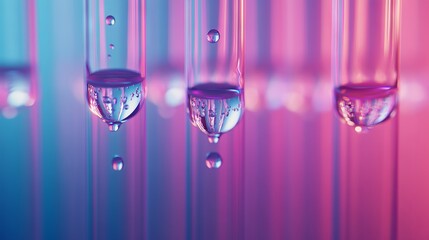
(291,140)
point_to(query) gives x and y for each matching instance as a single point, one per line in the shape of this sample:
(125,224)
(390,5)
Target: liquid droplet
(114,127)
(214,138)
(213,36)
(213,160)
(110,20)
(109,56)
(126,107)
(112,46)
(117,163)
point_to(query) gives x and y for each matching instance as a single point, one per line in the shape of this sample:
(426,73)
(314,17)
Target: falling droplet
(112,46)
(214,138)
(213,160)
(117,163)
(110,20)
(114,127)
(213,36)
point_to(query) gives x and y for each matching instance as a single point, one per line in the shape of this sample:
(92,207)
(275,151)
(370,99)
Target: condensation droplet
(111,46)
(213,36)
(109,56)
(213,160)
(110,20)
(117,163)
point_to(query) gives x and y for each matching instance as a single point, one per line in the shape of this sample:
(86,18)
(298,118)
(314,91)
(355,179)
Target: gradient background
(290,128)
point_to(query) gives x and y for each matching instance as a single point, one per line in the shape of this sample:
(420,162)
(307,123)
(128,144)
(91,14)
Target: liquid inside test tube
(215,108)
(214,67)
(115,77)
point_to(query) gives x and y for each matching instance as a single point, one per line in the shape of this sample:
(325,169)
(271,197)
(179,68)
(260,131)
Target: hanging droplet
(213,36)
(112,46)
(114,127)
(213,160)
(117,163)
(214,138)
(110,20)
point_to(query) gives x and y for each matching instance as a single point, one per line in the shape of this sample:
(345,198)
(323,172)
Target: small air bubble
(107,100)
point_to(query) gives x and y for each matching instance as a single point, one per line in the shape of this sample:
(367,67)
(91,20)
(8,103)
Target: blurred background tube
(116,90)
(19,112)
(365,72)
(214,74)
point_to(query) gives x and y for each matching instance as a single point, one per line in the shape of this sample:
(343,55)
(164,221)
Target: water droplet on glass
(114,127)
(110,20)
(124,99)
(126,107)
(112,46)
(213,160)
(214,138)
(106,100)
(117,163)
(109,56)
(213,36)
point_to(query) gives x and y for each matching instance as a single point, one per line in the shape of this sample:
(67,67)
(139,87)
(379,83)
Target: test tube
(115,77)
(365,72)
(214,65)
(365,60)
(19,121)
(115,66)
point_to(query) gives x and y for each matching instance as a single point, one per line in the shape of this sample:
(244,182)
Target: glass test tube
(365,72)
(214,65)
(365,60)
(115,66)
(214,73)
(115,77)
(19,120)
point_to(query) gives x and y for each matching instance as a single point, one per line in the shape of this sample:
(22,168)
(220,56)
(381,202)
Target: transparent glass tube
(214,64)
(115,65)
(365,71)
(365,60)
(20,179)
(116,90)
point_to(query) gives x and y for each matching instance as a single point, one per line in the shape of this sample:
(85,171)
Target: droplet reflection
(213,160)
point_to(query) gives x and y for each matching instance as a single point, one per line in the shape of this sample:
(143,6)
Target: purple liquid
(365,106)
(115,95)
(215,108)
